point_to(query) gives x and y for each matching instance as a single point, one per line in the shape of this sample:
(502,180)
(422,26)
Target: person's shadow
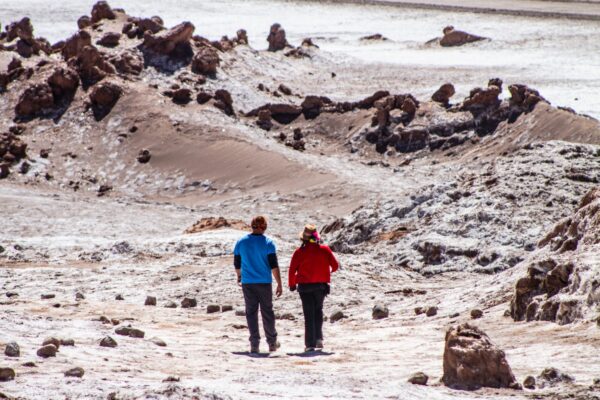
(316,353)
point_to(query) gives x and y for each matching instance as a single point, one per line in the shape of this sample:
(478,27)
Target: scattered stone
(67,342)
(418,378)
(285,90)
(79,296)
(7,374)
(181,96)
(129,331)
(472,361)
(150,301)
(83,22)
(213,308)
(48,350)
(203,97)
(240,313)
(48,296)
(454,315)
(170,304)
(374,37)
(12,349)
(171,379)
(119,297)
(224,101)
(419,310)
(76,372)
(144,156)
(188,303)
(239,326)
(108,342)
(37,99)
(226,308)
(380,311)
(277,40)
(52,340)
(29,364)
(336,316)
(529,383)
(431,311)
(158,342)
(476,314)
(552,376)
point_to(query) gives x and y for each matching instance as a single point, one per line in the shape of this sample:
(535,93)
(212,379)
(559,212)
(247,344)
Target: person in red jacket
(310,272)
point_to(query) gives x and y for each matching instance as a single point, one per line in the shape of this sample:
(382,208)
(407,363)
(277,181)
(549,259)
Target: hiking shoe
(274,346)
(319,344)
(309,349)
(254,350)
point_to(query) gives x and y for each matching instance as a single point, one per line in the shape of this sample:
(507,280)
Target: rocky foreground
(132,154)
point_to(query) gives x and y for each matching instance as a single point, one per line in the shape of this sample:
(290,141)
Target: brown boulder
(203,97)
(374,37)
(109,39)
(143,158)
(224,101)
(480,99)
(64,82)
(46,351)
(75,43)
(443,94)
(205,61)
(166,42)
(276,38)
(182,96)
(101,10)
(242,36)
(128,62)
(76,372)
(24,49)
(21,29)
(472,361)
(92,65)
(83,22)
(6,374)
(264,120)
(35,100)
(103,97)
(453,37)
(524,96)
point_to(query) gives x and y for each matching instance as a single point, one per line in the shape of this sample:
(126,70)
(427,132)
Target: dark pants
(312,296)
(256,294)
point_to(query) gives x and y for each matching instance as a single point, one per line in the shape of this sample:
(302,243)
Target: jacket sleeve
(333,262)
(294,264)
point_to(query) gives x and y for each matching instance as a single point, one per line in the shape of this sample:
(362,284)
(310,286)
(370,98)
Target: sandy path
(547,9)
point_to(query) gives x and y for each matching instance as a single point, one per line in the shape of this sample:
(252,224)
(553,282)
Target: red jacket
(312,263)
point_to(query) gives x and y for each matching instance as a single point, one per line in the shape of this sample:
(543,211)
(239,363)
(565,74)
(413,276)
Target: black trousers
(255,295)
(312,296)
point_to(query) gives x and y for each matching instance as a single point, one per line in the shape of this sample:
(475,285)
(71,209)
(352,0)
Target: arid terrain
(134,153)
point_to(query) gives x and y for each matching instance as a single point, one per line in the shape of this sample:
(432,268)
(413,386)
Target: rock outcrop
(453,37)
(205,61)
(101,10)
(560,283)
(472,361)
(174,42)
(103,97)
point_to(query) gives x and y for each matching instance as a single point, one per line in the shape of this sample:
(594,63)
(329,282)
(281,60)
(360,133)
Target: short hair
(259,222)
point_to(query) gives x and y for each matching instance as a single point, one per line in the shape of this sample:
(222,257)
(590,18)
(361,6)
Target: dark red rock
(75,44)
(109,39)
(166,42)
(101,10)
(35,100)
(453,37)
(277,40)
(205,61)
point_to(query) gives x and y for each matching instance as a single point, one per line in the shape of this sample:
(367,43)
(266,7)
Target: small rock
(380,311)
(213,308)
(108,342)
(158,342)
(285,90)
(12,349)
(336,316)
(52,340)
(29,364)
(76,372)
(11,294)
(240,313)
(119,297)
(48,296)
(171,379)
(419,310)
(431,311)
(226,308)
(170,304)
(150,301)
(79,296)
(476,314)
(188,303)
(136,333)
(239,326)
(67,342)
(529,382)
(454,315)
(418,378)
(47,351)
(7,374)
(144,156)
